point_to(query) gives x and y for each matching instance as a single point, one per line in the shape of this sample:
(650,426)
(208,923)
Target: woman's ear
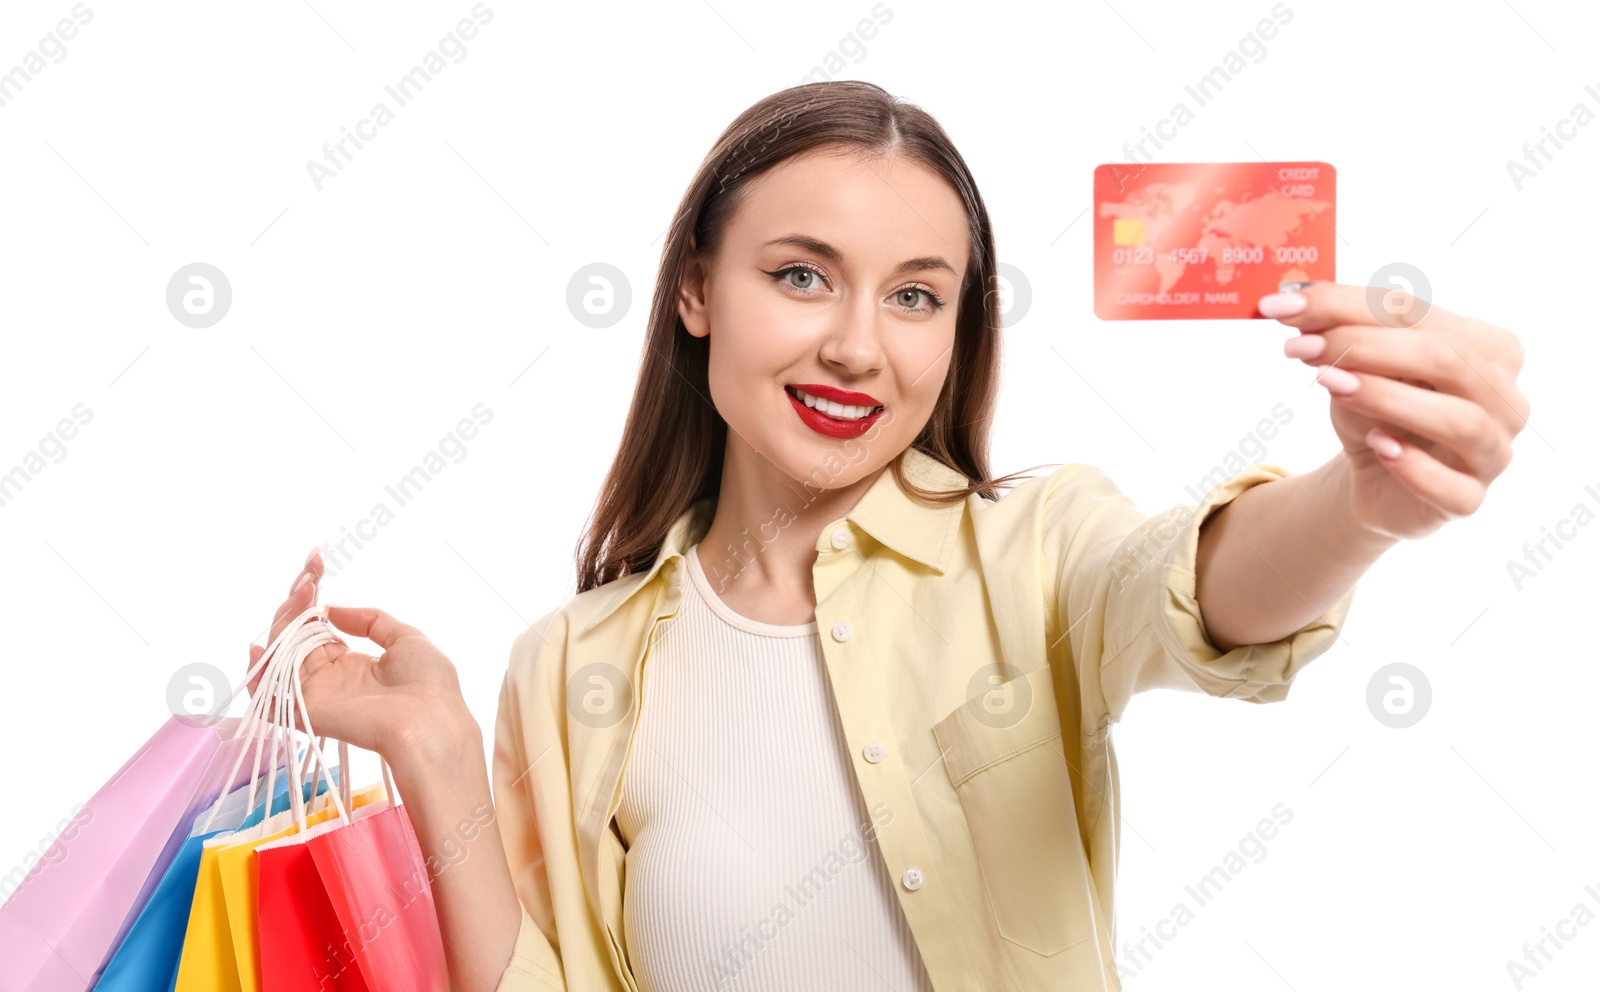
(692,295)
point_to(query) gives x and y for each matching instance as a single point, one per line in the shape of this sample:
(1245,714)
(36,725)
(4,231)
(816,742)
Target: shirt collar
(917,530)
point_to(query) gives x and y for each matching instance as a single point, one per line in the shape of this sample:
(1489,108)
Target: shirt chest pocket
(1002,752)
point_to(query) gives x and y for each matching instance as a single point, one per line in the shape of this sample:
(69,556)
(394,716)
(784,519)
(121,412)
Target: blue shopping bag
(148,957)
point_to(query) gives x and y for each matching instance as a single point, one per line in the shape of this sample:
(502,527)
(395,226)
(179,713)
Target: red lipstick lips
(826,425)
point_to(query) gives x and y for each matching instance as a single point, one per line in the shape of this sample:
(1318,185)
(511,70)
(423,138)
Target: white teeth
(837,410)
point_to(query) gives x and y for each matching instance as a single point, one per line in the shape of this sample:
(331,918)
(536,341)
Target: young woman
(826,711)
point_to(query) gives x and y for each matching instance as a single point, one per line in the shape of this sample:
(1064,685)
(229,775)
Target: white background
(370,316)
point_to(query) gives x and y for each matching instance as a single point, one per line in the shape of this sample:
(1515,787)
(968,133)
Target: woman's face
(838,276)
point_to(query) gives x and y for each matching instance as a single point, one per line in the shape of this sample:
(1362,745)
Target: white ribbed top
(750,861)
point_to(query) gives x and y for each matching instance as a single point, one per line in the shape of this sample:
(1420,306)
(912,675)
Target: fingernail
(1305,346)
(1383,444)
(1339,381)
(304,578)
(1281,304)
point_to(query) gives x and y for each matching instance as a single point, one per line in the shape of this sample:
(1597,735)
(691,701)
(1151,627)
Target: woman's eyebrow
(832,254)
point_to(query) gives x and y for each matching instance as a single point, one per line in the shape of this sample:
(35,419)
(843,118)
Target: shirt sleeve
(526,741)
(1125,596)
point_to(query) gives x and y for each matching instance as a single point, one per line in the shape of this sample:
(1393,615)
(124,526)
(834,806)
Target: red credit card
(1206,240)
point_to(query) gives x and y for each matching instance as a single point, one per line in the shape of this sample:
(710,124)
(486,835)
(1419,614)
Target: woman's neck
(761,546)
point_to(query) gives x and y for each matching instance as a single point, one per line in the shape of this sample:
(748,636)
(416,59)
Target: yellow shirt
(978,653)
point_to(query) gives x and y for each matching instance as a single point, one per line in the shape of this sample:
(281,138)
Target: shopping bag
(147,958)
(72,908)
(148,955)
(237,870)
(303,945)
(378,882)
(219,950)
(207,960)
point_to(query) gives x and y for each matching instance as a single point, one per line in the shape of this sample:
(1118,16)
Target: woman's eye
(801,278)
(908,298)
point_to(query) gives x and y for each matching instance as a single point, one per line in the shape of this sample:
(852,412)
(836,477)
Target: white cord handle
(298,696)
(282,692)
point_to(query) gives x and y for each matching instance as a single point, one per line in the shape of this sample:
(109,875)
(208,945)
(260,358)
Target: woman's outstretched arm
(1425,404)
(1276,556)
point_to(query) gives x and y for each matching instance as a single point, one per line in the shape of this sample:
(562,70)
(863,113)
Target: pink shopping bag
(65,919)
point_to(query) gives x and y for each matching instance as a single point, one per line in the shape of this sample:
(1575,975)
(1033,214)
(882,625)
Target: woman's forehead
(865,206)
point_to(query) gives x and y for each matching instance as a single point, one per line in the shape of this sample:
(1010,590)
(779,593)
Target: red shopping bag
(303,946)
(378,882)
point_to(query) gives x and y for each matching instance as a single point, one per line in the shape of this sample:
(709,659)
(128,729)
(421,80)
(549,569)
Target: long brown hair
(672,445)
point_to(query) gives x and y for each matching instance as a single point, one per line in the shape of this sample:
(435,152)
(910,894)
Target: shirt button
(841,630)
(912,879)
(841,537)
(873,752)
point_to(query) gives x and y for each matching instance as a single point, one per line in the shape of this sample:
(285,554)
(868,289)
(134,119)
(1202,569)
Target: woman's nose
(855,340)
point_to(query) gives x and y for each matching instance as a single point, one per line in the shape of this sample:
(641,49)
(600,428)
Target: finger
(299,600)
(310,572)
(373,624)
(1322,305)
(1460,425)
(315,565)
(1453,493)
(1424,358)
(256,651)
